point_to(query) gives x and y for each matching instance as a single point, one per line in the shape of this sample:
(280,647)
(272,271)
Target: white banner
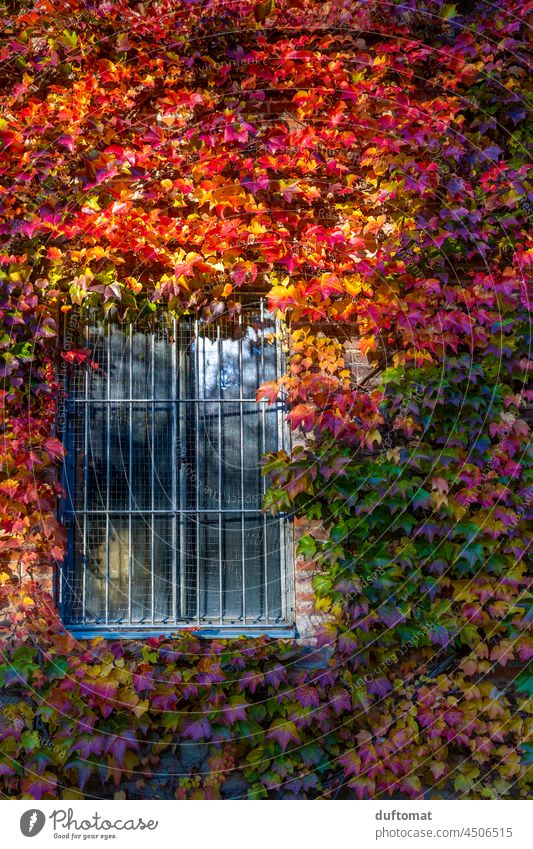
(318,825)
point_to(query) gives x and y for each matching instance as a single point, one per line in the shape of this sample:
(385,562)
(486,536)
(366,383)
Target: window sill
(281,632)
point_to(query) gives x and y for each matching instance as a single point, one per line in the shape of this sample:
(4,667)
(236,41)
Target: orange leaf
(269,391)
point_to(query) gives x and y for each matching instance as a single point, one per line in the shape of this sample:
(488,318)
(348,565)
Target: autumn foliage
(365,164)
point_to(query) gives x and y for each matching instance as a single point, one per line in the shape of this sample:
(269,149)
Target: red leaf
(77,357)
(54,448)
(302,414)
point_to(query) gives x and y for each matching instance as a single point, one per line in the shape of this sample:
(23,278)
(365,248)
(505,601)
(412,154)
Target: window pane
(96,457)
(95,571)
(163,568)
(96,341)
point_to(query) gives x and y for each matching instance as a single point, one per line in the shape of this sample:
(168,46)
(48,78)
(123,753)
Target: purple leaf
(199,729)
(379,687)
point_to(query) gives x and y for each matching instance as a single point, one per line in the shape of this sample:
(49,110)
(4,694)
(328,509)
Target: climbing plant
(365,164)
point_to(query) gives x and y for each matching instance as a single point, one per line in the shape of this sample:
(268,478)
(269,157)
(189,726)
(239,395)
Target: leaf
(302,415)
(22,349)
(322,584)
(527,748)
(524,683)
(76,356)
(438,769)
(448,11)
(412,786)
(54,448)
(283,733)
(268,391)
(9,487)
(380,687)
(307,546)
(199,729)
(38,788)
(263,10)
(83,769)
(30,740)
(351,763)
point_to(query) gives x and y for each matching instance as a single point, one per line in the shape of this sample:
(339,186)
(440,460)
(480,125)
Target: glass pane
(254,566)
(141,473)
(274,558)
(163,457)
(162,364)
(95,573)
(163,568)
(96,457)
(73,586)
(210,551)
(226,544)
(118,567)
(211,430)
(96,377)
(232,568)
(141,382)
(119,362)
(251,360)
(119,456)
(141,569)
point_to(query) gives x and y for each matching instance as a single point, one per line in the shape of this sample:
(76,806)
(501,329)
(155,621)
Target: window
(162,478)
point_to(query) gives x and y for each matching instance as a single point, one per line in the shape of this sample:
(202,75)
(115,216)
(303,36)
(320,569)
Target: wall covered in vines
(365,164)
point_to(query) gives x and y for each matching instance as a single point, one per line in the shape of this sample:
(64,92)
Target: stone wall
(307,618)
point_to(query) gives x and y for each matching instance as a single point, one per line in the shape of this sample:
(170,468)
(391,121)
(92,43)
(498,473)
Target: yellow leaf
(96,253)
(374,436)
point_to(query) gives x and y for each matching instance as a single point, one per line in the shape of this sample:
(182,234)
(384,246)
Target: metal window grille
(162,478)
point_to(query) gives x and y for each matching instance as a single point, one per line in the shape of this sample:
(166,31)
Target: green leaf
(527,748)
(307,546)
(70,38)
(57,668)
(22,349)
(448,11)
(524,683)
(322,584)
(30,740)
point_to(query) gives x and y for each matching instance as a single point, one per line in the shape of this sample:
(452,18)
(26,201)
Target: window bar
(241,437)
(107,336)
(184,414)
(161,511)
(64,429)
(219,405)
(130,473)
(152,476)
(197,460)
(175,460)
(281,445)
(263,451)
(85,484)
(118,401)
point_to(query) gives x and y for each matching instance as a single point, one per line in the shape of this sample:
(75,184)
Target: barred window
(163,482)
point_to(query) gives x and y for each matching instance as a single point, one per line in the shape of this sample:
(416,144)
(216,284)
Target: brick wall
(307,618)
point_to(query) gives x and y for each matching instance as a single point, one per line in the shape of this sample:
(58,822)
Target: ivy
(364,165)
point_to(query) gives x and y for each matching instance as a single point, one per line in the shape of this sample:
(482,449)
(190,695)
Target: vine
(364,164)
